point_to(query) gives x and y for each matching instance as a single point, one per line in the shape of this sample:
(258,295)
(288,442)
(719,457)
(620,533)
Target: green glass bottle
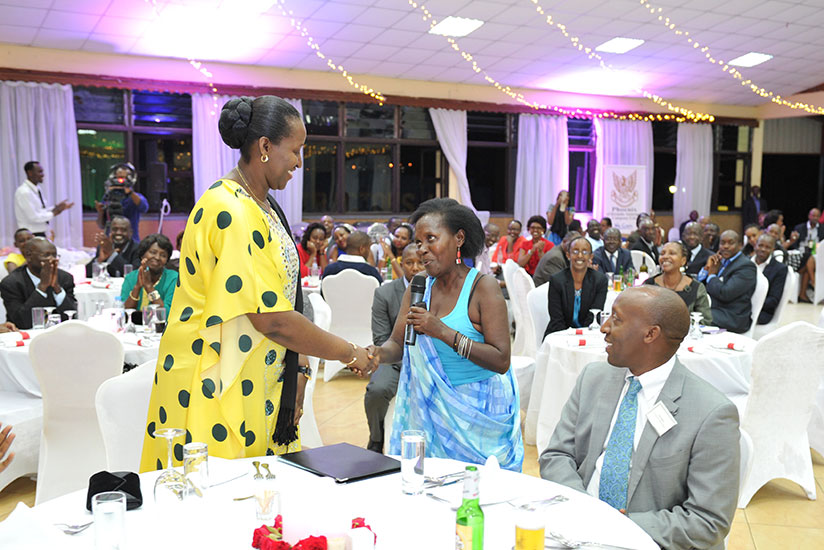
(469,522)
(388,269)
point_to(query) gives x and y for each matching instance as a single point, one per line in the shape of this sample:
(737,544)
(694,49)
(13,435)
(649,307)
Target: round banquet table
(561,359)
(17,374)
(313,505)
(88,295)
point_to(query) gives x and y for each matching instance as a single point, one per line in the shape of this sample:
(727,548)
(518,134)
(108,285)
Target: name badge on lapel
(661,419)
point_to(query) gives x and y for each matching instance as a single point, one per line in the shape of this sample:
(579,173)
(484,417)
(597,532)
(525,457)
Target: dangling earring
(458,259)
(264,158)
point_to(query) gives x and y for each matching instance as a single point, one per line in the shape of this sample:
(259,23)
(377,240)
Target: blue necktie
(615,469)
(724,265)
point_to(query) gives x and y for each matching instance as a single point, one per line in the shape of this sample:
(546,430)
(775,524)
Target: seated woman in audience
(16,259)
(312,249)
(457,374)
(531,250)
(402,236)
(507,248)
(575,290)
(751,233)
(152,282)
(673,261)
(339,236)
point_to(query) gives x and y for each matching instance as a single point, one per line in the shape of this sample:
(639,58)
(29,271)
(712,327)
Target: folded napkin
(737,346)
(24,530)
(581,342)
(12,339)
(125,482)
(577,331)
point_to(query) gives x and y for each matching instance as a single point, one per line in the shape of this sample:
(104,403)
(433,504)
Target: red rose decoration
(311,543)
(260,533)
(269,544)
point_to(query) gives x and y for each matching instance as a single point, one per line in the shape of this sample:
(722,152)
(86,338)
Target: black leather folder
(342,462)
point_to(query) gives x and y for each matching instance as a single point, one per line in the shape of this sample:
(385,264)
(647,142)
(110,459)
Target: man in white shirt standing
(645,435)
(29,207)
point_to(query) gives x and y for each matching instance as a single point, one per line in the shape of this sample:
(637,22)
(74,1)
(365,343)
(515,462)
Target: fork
(269,474)
(535,504)
(73,529)
(256,464)
(567,543)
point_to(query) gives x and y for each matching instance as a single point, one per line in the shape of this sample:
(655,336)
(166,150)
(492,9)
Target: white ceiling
(515,46)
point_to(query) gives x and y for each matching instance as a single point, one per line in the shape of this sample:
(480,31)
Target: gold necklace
(248,188)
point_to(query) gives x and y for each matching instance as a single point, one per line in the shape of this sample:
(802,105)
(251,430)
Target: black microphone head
(418,284)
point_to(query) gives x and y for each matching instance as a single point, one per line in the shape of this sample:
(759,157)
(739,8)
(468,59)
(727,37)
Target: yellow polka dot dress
(216,376)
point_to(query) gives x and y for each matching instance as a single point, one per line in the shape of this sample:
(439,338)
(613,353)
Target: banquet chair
(25,413)
(519,283)
(349,295)
(780,405)
(775,322)
(762,286)
(674,234)
(537,301)
(122,405)
(309,433)
(819,273)
(793,280)
(71,360)
(638,257)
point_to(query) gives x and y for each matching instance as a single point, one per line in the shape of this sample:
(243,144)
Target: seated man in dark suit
(575,290)
(730,280)
(647,436)
(710,239)
(611,258)
(646,242)
(692,236)
(116,249)
(774,271)
(40,284)
(555,260)
(383,384)
(809,231)
(357,250)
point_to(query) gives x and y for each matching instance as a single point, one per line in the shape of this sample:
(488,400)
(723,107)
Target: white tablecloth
(16,373)
(87,297)
(558,364)
(317,506)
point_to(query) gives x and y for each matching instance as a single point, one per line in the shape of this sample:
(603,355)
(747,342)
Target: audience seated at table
(594,235)
(710,240)
(383,383)
(312,249)
(751,233)
(730,278)
(357,249)
(458,372)
(646,240)
(676,476)
(776,232)
(531,250)
(673,259)
(774,271)
(117,249)
(152,282)
(338,245)
(6,439)
(555,260)
(611,258)
(16,259)
(402,236)
(805,234)
(40,284)
(575,290)
(509,245)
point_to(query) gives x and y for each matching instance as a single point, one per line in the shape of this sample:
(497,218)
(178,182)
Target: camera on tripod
(122,176)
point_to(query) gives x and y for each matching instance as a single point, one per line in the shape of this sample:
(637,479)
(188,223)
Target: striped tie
(615,469)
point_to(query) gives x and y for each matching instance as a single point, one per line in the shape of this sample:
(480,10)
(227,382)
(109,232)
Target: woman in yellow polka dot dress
(227,366)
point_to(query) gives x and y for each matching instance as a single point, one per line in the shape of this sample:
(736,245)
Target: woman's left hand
(425,322)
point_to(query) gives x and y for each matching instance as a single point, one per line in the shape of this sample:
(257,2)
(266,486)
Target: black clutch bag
(125,482)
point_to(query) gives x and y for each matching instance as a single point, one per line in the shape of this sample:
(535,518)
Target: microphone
(417,289)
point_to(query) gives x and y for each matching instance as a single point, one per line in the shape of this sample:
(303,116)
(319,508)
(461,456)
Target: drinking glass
(109,511)
(96,269)
(159,320)
(38,317)
(595,325)
(128,268)
(70,313)
(53,320)
(49,311)
(267,499)
(196,467)
(170,486)
(148,318)
(412,455)
(695,331)
(529,530)
(129,320)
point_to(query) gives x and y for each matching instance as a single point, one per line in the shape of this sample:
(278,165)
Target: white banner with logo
(625,194)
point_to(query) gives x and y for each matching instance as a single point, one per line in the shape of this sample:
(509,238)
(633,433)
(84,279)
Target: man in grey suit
(555,260)
(383,383)
(647,436)
(730,278)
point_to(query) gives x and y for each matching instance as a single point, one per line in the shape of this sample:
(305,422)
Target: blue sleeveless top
(457,369)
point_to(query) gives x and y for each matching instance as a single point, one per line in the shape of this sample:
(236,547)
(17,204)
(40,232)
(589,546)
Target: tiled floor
(779,517)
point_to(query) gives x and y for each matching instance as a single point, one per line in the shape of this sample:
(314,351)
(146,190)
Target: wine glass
(70,313)
(148,318)
(170,486)
(49,310)
(695,332)
(129,323)
(595,324)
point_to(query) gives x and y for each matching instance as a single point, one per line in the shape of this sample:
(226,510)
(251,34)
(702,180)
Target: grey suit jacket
(550,263)
(683,485)
(385,307)
(731,294)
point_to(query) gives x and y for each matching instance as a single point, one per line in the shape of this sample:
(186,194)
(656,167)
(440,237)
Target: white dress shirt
(759,267)
(651,384)
(58,298)
(613,258)
(28,209)
(596,244)
(694,252)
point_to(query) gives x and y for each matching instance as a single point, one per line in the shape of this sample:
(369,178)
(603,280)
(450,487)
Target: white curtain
(693,171)
(37,123)
(543,163)
(213,159)
(622,142)
(450,127)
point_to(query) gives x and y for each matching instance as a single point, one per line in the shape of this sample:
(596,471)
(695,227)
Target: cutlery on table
(228,480)
(73,529)
(256,464)
(269,474)
(440,481)
(536,504)
(567,543)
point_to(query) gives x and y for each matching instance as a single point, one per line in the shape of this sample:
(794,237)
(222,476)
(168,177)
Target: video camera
(121,176)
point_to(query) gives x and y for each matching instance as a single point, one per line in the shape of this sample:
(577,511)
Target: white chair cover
(309,432)
(674,234)
(25,413)
(519,283)
(762,286)
(538,302)
(3,274)
(71,360)
(638,257)
(819,273)
(122,405)
(786,373)
(746,448)
(349,295)
(793,281)
(523,366)
(775,322)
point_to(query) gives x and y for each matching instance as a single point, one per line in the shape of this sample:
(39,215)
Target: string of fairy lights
(725,67)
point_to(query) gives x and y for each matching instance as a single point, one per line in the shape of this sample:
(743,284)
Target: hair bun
(235,118)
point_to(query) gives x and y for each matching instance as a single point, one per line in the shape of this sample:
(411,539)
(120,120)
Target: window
(664,141)
(152,130)
(733,158)
(490,162)
(319,176)
(368,178)
(581,135)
